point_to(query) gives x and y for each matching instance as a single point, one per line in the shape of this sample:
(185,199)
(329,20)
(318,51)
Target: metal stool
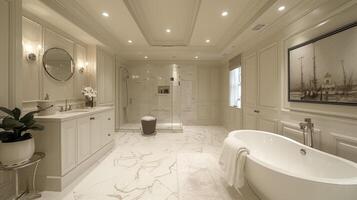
(35,160)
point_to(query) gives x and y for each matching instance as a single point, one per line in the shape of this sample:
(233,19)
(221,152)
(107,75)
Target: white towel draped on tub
(232,161)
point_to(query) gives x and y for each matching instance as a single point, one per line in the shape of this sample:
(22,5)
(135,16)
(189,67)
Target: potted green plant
(16,142)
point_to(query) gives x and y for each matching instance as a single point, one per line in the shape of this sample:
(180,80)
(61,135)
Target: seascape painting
(324,70)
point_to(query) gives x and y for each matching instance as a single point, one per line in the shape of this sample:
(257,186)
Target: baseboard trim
(59,183)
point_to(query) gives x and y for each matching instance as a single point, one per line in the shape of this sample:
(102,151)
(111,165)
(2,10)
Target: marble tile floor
(166,166)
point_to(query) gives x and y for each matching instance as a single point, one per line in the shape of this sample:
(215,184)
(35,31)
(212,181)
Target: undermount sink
(78,111)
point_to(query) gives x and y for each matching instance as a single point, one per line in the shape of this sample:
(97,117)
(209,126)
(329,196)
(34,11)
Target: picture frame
(324,69)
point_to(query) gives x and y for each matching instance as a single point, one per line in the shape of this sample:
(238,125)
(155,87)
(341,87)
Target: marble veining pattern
(167,166)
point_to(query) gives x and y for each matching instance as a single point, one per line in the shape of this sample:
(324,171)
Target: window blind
(234,62)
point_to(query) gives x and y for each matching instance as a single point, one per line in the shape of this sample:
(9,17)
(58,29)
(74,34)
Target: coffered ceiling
(177,29)
(165,22)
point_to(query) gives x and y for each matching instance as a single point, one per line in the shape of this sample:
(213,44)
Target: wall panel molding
(15,53)
(293,131)
(58,90)
(266,124)
(11,71)
(345,146)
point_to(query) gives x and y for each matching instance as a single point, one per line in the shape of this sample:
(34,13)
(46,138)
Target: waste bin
(148,124)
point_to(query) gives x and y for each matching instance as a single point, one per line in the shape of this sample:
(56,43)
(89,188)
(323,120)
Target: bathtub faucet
(308,131)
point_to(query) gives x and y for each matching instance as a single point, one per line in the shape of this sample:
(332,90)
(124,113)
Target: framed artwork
(324,69)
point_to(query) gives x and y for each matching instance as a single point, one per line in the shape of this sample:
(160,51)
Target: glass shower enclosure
(150,90)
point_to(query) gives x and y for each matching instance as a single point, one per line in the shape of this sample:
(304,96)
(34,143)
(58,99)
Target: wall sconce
(30,54)
(82,67)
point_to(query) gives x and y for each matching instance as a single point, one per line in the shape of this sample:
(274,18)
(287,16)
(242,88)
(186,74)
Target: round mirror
(59,64)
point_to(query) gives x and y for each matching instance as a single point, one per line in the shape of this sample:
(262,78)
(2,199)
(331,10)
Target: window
(235,87)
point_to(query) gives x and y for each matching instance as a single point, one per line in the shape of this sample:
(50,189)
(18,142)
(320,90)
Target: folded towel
(239,176)
(232,161)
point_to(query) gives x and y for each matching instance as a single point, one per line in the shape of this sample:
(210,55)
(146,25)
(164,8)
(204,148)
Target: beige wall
(10,71)
(23,82)
(335,125)
(5,177)
(37,82)
(4,52)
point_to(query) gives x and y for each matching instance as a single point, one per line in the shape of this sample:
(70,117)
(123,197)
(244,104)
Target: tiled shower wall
(194,98)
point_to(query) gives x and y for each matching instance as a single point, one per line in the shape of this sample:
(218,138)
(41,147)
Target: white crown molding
(236,34)
(238,27)
(31,17)
(169,48)
(138,13)
(297,20)
(216,63)
(72,11)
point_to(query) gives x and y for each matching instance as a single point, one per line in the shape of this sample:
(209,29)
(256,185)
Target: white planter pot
(16,152)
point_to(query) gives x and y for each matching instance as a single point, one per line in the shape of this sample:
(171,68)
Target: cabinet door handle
(256,111)
(92,118)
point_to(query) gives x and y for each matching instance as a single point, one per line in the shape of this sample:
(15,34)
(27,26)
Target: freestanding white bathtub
(276,169)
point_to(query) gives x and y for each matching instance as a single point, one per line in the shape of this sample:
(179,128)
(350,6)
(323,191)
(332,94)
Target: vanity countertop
(72,114)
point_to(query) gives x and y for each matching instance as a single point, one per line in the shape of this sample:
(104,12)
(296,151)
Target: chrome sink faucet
(308,132)
(67,106)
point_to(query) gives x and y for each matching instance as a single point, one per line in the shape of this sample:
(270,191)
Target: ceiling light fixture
(146,57)
(208,41)
(168,30)
(130,41)
(258,27)
(322,23)
(224,13)
(105,14)
(281,8)
(196,57)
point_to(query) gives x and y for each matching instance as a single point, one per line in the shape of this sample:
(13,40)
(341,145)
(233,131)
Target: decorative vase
(14,153)
(90,102)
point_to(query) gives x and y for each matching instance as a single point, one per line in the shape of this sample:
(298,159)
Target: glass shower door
(153,90)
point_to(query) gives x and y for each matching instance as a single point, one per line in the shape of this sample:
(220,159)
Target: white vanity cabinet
(68,146)
(96,126)
(83,139)
(72,142)
(102,128)
(108,133)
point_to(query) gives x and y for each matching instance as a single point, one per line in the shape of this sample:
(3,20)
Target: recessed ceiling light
(281,8)
(196,57)
(146,57)
(130,41)
(105,14)
(208,41)
(224,13)
(168,30)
